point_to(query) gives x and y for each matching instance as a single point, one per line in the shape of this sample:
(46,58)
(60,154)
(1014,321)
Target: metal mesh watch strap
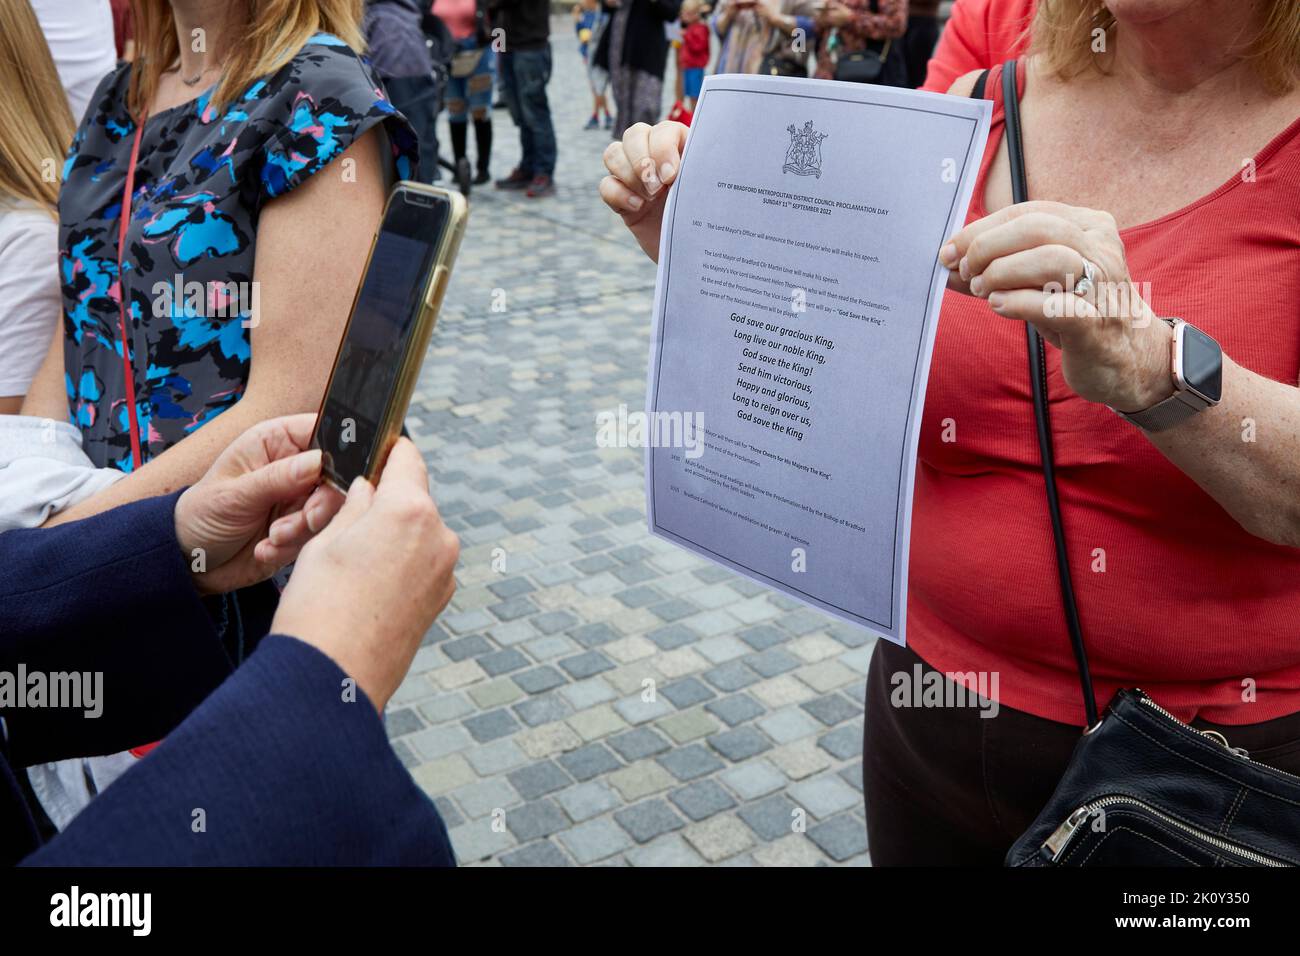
(1177,408)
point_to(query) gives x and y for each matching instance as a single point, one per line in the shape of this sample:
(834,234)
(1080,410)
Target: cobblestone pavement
(523,715)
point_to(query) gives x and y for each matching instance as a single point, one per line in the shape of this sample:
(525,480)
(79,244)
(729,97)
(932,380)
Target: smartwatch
(1197,366)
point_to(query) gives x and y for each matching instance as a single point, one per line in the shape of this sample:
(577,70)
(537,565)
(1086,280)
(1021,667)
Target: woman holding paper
(1162,148)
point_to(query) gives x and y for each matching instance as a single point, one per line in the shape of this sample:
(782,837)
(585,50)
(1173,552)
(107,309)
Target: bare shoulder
(963,85)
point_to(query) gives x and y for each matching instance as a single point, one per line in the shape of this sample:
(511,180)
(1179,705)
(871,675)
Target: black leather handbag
(776,65)
(1142,788)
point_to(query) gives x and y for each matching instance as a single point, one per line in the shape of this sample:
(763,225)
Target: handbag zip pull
(1060,837)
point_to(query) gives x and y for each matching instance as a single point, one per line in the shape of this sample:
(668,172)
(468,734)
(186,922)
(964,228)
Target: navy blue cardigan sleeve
(282,765)
(108,595)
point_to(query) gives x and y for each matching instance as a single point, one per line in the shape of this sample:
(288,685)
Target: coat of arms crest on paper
(804,156)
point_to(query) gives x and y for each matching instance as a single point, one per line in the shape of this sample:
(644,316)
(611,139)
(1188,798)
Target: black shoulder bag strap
(1038,379)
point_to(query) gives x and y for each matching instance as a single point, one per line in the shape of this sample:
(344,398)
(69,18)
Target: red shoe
(542,185)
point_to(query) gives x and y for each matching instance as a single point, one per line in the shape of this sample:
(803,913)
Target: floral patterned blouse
(201,180)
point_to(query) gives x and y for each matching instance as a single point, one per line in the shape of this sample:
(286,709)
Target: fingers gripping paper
(798,292)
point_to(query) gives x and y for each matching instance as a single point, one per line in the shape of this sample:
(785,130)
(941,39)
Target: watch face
(1202,363)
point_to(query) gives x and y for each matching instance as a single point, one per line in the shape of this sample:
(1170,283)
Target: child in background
(588,20)
(695,51)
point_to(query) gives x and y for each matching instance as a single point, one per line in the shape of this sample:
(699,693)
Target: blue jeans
(524,75)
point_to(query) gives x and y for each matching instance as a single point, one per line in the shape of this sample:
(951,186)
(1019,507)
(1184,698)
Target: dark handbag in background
(863,66)
(776,65)
(1142,788)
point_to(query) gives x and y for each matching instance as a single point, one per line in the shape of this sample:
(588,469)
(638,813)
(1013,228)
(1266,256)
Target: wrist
(190,550)
(1154,380)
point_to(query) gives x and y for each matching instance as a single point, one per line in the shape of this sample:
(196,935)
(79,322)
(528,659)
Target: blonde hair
(1062,35)
(261,37)
(35,121)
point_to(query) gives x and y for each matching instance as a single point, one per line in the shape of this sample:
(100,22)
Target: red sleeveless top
(1174,596)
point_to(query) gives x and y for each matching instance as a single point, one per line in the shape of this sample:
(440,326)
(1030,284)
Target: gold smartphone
(387,334)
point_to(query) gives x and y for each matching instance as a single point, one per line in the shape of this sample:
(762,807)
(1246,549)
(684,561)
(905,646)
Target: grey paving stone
(852,775)
(669,850)
(648,819)
(639,596)
(435,742)
(589,761)
(587,664)
(539,679)
(763,636)
(588,800)
(637,711)
(770,818)
(466,647)
(788,724)
(402,721)
(840,837)
(735,709)
(502,661)
(511,587)
(477,840)
(538,779)
(635,573)
(496,757)
(753,779)
(674,609)
(541,853)
(491,725)
(486,796)
(673,636)
(740,743)
(731,676)
(690,762)
(584,694)
(831,709)
(595,563)
(687,693)
(536,819)
(546,648)
(467,621)
(824,796)
(702,799)
(595,840)
(842,742)
(593,635)
(553,622)
(637,744)
(513,609)
(772,662)
(542,710)
(631,553)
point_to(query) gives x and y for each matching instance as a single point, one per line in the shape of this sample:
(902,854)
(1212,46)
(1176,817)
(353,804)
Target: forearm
(112,599)
(262,756)
(47,396)
(181,465)
(1245,453)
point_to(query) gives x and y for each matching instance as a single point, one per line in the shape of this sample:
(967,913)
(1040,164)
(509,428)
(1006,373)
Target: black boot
(483,148)
(459,139)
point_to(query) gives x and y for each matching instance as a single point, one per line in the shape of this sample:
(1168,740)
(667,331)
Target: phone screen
(383,320)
